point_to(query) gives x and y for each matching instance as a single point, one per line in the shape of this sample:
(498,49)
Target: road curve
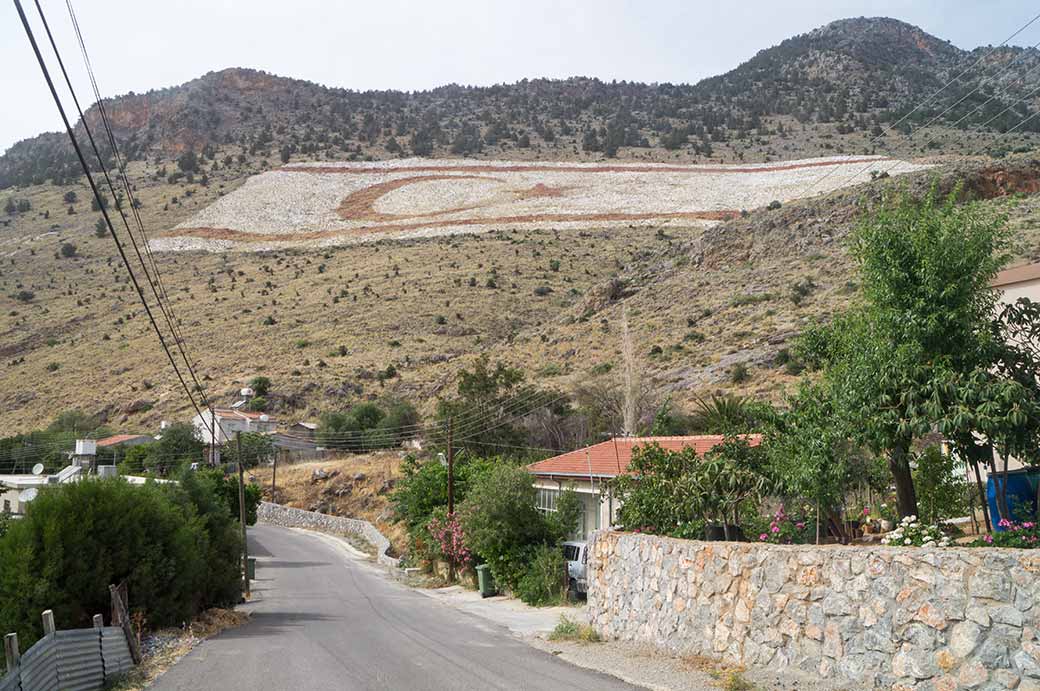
(323,620)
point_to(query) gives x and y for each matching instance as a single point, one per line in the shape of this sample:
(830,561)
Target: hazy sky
(137,45)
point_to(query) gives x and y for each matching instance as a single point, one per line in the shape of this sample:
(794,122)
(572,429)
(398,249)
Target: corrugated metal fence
(73,660)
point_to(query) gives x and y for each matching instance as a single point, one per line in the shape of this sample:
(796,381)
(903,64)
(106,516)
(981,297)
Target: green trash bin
(485,583)
(251,568)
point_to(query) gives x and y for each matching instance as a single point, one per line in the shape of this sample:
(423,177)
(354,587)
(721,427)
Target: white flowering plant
(912,533)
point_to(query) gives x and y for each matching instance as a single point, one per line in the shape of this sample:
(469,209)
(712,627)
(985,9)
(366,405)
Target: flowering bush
(1025,535)
(448,534)
(784,529)
(911,531)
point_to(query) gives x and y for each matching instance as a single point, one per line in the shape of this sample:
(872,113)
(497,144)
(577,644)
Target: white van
(576,554)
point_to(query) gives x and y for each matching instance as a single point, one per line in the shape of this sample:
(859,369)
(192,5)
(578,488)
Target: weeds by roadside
(164,648)
(728,678)
(570,630)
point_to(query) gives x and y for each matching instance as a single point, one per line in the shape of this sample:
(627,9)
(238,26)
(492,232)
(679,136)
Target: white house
(588,470)
(229,421)
(13,492)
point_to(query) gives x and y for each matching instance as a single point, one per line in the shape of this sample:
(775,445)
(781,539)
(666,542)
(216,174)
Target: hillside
(849,76)
(327,324)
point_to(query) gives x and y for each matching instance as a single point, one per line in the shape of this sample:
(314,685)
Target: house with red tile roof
(588,470)
(124,440)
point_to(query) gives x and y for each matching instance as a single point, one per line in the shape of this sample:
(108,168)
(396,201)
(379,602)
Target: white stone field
(337,203)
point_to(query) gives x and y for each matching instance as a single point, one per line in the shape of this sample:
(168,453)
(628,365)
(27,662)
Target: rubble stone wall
(891,617)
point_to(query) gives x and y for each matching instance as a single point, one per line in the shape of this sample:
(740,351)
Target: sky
(138,45)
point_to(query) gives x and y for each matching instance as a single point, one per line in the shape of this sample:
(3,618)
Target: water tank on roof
(86,447)
(247,392)
(107,471)
(265,418)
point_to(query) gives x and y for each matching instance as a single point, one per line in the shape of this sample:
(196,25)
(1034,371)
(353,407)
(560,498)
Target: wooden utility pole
(242,512)
(274,478)
(451,466)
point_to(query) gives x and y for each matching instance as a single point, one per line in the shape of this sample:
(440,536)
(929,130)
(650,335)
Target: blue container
(1021,495)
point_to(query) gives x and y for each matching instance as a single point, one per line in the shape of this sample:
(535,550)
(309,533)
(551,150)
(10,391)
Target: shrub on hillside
(174,545)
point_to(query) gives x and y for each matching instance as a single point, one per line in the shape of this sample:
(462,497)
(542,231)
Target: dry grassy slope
(84,341)
(360,487)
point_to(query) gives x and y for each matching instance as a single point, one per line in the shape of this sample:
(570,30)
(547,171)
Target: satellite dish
(37,469)
(28,495)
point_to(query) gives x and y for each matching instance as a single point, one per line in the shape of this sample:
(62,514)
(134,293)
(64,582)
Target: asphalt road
(321,619)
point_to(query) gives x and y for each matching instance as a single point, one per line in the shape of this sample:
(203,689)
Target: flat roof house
(588,470)
(225,422)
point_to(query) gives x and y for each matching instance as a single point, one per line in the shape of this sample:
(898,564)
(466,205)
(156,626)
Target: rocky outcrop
(900,618)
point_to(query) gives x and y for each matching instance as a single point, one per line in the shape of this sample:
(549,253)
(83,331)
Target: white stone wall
(900,618)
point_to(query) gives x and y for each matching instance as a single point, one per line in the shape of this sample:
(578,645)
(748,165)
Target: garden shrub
(1025,535)
(501,522)
(424,488)
(174,546)
(545,581)
(911,532)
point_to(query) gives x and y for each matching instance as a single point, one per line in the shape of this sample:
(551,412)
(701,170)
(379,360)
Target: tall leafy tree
(925,268)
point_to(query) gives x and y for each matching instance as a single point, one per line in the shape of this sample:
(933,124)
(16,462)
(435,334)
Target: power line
(165,309)
(98,197)
(945,86)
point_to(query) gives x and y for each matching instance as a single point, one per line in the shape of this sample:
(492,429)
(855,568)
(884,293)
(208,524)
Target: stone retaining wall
(901,618)
(288,517)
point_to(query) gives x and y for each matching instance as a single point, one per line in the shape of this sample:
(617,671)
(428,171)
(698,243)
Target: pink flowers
(988,538)
(800,525)
(866,510)
(774,528)
(448,533)
(763,537)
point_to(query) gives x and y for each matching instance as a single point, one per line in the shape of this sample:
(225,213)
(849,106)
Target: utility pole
(274,478)
(451,466)
(242,512)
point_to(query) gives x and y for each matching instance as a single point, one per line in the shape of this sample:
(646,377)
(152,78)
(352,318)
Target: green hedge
(176,547)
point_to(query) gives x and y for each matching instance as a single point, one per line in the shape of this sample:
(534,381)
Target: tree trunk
(899,465)
(974,456)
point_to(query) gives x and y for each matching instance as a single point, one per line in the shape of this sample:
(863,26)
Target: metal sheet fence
(73,660)
(39,665)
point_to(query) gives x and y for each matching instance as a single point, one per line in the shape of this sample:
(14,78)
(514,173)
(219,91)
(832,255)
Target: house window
(7,506)
(546,502)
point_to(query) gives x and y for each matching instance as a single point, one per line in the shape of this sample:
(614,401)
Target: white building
(588,470)
(228,422)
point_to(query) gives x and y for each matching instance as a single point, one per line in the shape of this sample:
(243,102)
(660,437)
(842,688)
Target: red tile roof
(119,439)
(1016,274)
(611,458)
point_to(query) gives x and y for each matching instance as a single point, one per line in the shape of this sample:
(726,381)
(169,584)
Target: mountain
(853,75)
